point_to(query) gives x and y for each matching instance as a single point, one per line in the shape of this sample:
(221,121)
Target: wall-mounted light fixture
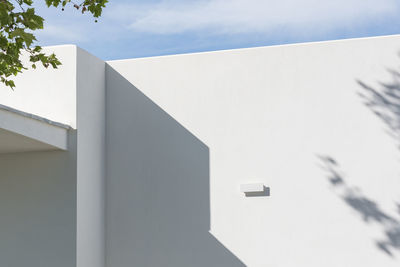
(255,190)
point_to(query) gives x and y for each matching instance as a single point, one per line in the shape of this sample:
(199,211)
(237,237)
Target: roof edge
(35,117)
(258,47)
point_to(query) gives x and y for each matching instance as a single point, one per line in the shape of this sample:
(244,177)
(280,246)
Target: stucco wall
(38,208)
(317,123)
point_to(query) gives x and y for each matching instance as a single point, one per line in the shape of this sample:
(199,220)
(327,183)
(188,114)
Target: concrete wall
(38,208)
(317,123)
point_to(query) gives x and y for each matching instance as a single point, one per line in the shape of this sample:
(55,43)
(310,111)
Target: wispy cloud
(55,32)
(246,16)
(70,26)
(136,28)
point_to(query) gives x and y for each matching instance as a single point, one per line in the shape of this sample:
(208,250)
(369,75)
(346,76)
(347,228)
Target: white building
(140,162)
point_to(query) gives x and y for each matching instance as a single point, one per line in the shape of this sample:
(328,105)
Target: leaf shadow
(384,101)
(367,208)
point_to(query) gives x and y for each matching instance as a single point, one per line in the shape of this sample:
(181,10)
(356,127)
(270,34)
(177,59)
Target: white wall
(278,115)
(38,196)
(68,224)
(49,93)
(157,187)
(318,123)
(38,208)
(90,160)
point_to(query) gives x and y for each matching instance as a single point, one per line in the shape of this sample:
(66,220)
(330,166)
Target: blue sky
(133,28)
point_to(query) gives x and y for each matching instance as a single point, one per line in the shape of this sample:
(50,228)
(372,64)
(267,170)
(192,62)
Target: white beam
(20,131)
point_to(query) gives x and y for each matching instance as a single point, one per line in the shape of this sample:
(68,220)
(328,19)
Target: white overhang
(22,132)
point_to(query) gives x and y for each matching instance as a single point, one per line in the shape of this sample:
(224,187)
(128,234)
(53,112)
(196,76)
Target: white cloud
(55,32)
(247,16)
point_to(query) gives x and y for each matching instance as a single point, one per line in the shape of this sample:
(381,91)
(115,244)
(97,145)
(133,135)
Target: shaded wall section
(157,188)
(38,208)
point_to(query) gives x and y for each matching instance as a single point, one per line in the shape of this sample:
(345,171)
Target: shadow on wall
(367,208)
(158,200)
(38,208)
(384,101)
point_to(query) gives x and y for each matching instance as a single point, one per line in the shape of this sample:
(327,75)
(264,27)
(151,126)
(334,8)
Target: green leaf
(28,38)
(18,24)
